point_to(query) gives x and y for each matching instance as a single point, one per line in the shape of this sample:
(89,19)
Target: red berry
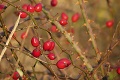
(51,56)
(22,14)
(66,61)
(25,6)
(62,63)
(15,75)
(30,8)
(53,28)
(36,53)
(48,45)
(63,22)
(64,16)
(75,17)
(109,23)
(23,35)
(118,70)
(35,41)
(38,7)
(2,7)
(54,3)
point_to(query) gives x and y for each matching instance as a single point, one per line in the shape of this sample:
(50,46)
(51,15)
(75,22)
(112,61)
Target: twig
(26,53)
(10,36)
(70,39)
(22,44)
(89,29)
(109,50)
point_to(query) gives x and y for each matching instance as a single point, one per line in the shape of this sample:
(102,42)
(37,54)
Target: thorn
(90,39)
(77,57)
(84,24)
(76,43)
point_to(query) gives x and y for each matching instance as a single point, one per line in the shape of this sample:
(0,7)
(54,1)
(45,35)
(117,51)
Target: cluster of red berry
(64,19)
(38,8)
(30,8)
(48,46)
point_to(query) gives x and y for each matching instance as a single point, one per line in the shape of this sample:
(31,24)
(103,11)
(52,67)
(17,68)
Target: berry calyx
(63,22)
(22,14)
(62,63)
(30,8)
(109,23)
(54,3)
(64,16)
(38,7)
(15,75)
(118,70)
(35,41)
(25,6)
(53,28)
(75,17)
(48,45)
(23,35)
(51,56)
(36,53)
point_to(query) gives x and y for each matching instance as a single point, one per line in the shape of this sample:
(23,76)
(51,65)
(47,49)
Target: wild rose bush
(59,40)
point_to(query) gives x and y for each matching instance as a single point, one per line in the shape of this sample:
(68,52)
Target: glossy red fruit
(36,53)
(23,35)
(75,17)
(118,70)
(53,28)
(15,75)
(54,3)
(35,41)
(66,61)
(51,56)
(30,8)
(38,7)
(48,45)
(62,63)
(22,14)
(25,6)
(109,23)
(64,16)
(63,22)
